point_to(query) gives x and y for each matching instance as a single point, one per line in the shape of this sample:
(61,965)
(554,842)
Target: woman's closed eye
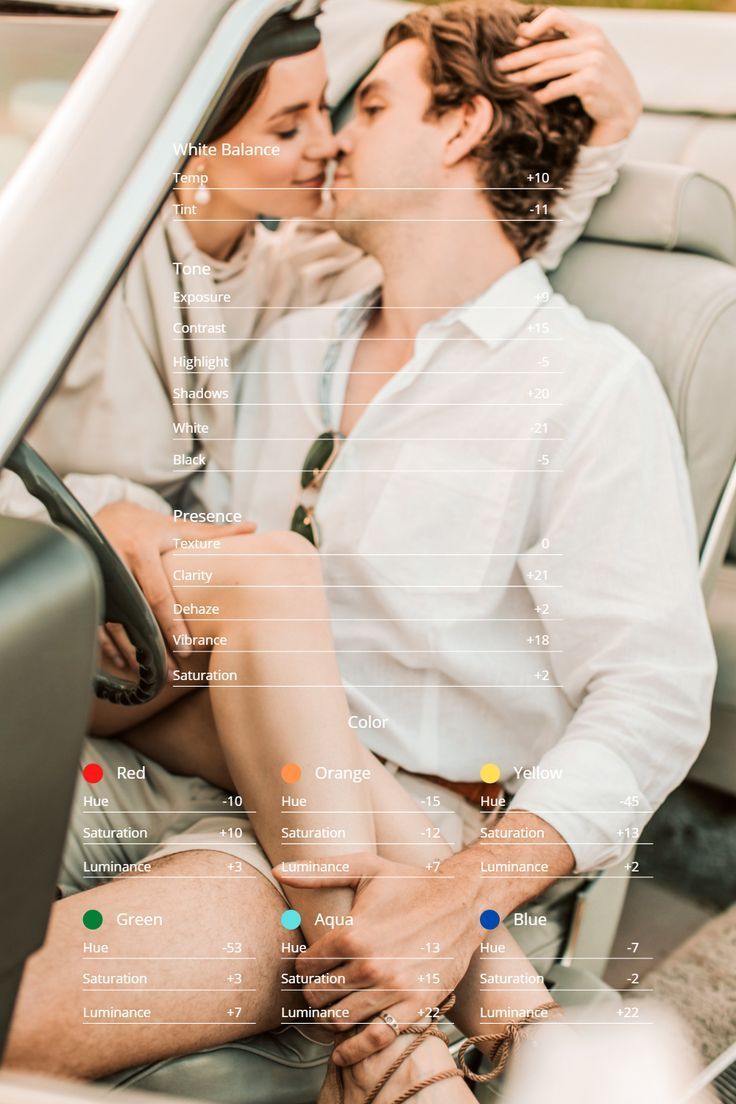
(291,132)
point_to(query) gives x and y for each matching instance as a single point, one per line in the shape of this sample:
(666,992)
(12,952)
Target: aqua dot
(290,919)
(489,919)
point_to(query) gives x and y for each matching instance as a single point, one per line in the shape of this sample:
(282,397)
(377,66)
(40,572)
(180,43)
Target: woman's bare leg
(184,740)
(113,720)
(260,602)
(279,644)
(286,668)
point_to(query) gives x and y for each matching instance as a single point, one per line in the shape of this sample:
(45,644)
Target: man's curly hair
(463,40)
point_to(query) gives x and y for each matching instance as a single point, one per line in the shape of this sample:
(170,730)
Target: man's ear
(471,123)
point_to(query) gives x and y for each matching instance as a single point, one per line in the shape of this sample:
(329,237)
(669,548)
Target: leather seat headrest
(667,207)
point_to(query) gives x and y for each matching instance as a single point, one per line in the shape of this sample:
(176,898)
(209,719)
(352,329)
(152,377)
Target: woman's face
(290,113)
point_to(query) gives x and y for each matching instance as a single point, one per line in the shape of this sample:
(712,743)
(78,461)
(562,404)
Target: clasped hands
(410,943)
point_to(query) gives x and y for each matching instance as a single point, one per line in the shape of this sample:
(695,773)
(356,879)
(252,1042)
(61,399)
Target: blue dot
(291,919)
(489,919)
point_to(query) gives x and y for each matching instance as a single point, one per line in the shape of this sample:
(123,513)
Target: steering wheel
(124,600)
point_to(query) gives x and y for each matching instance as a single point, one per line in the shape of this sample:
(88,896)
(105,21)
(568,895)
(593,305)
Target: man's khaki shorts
(172,813)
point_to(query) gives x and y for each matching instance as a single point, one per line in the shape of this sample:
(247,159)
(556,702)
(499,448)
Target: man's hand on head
(141,537)
(584,64)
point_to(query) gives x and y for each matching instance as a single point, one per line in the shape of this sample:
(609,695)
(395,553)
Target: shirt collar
(498,313)
(495,315)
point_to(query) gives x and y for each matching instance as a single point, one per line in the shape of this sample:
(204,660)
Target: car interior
(657,260)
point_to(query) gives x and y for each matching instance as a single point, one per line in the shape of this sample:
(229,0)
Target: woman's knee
(280,543)
(250,573)
(277,558)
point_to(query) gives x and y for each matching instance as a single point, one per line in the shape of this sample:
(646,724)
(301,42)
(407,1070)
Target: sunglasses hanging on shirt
(321,456)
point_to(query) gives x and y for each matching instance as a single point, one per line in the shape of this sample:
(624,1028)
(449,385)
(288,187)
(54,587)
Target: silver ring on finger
(391,1021)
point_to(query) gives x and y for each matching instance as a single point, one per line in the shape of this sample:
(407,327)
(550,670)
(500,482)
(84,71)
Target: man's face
(391,153)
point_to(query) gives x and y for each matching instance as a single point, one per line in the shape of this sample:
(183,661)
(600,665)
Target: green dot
(92,919)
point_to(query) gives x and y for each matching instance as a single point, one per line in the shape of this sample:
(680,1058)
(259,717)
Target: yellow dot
(489,772)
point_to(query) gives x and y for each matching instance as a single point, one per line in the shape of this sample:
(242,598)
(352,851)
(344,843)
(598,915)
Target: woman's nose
(344,139)
(323,146)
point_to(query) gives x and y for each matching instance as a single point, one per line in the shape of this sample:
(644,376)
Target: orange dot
(291,772)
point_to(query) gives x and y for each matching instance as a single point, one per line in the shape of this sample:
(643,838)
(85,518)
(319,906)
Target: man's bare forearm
(537,853)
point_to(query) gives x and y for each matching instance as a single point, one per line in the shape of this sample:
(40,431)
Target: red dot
(92,773)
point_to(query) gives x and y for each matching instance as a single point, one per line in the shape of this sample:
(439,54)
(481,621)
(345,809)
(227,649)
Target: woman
(218,267)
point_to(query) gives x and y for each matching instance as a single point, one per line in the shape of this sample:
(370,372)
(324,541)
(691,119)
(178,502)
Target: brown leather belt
(471,791)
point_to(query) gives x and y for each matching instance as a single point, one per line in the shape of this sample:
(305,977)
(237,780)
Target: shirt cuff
(588,794)
(596,159)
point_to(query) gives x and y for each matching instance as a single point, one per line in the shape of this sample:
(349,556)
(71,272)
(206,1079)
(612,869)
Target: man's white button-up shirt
(508,550)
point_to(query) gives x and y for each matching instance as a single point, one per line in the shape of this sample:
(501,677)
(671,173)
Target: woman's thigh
(113,720)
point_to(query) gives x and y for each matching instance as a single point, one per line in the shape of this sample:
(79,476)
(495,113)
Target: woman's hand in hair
(570,56)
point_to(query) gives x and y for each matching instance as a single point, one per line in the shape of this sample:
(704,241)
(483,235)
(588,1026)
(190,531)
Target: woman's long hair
(237,102)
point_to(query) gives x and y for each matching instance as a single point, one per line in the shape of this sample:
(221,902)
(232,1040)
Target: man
(503,459)
(454,409)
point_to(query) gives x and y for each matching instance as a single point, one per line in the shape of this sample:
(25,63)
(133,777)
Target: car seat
(683,63)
